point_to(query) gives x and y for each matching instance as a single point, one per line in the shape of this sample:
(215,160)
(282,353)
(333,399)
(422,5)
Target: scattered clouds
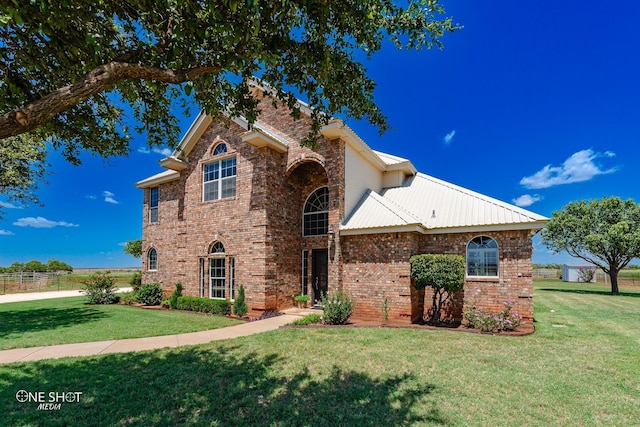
(526,200)
(165,151)
(6,233)
(579,167)
(91,197)
(40,222)
(449,137)
(9,206)
(108,197)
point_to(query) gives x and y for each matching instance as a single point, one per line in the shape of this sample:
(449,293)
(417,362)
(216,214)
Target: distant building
(574,273)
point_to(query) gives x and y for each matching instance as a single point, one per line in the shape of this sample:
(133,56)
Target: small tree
(100,288)
(443,273)
(133,247)
(240,307)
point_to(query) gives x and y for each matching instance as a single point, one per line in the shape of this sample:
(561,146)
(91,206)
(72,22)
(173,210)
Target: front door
(319,274)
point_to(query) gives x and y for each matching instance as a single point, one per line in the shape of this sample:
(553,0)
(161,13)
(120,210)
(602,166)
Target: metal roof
(436,205)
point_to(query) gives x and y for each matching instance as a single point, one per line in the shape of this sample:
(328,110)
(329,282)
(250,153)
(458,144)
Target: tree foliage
(444,273)
(604,232)
(134,248)
(69,69)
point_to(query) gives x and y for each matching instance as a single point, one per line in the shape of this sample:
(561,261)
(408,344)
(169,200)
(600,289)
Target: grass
(580,368)
(70,320)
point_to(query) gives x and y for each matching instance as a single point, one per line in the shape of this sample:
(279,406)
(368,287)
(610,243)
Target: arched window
(316,213)
(482,257)
(220,149)
(217,272)
(152,260)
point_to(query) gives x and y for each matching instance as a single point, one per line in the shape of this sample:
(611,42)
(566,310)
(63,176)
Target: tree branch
(37,113)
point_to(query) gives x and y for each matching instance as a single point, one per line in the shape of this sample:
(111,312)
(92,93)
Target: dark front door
(319,270)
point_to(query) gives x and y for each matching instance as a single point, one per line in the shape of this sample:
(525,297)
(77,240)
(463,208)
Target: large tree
(68,69)
(604,232)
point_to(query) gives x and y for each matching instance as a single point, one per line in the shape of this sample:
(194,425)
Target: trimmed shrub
(136,281)
(100,288)
(150,294)
(129,298)
(240,307)
(173,301)
(443,273)
(487,321)
(309,319)
(204,305)
(338,308)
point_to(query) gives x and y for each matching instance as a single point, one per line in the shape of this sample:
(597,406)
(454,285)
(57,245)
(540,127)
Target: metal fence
(625,278)
(25,281)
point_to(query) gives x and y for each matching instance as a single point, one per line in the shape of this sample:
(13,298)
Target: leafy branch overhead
(67,67)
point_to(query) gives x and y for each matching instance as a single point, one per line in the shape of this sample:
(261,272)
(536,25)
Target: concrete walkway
(139,344)
(32,296)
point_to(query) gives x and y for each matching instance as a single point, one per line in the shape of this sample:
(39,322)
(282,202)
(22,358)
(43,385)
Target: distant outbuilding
(578,273)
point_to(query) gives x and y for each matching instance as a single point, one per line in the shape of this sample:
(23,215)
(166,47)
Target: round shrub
(338,308)
(150,294)
(100,288)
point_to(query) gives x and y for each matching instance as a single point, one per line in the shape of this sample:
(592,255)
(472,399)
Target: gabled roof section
(440,207)
(375,214)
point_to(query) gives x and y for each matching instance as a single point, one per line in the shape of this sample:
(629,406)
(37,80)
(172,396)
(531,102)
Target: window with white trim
(219,179)
(217,272)
(153,204)
(152,260)
(482,257)
(316,213)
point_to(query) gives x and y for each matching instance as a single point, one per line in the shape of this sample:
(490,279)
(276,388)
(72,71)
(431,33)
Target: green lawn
(70,320)
(580,368)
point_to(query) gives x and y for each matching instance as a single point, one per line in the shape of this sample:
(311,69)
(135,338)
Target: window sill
(482,278)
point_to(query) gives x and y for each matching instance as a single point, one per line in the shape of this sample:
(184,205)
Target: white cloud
(449,137)
(41,222)
(579,167)
(9,206)
(526,200)
(6,233)
(165,151)
(92,197)
(108,197)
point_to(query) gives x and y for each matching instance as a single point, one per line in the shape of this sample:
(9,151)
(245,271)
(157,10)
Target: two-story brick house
(240,204)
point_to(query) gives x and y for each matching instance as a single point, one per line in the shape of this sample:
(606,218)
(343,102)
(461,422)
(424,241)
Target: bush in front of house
(309,319)
(204,305)
(100,288)
(136,281)
(481,318)
(240,307)
(173,301)
(338,308)
(150,294)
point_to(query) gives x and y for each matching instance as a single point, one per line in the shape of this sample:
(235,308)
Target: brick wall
(376,266)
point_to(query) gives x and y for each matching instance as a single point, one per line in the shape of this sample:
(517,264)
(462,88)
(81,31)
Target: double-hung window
(219,179)
(153,204)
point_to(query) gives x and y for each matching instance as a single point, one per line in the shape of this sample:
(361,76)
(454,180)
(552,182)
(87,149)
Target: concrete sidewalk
(135,344)
(139,344)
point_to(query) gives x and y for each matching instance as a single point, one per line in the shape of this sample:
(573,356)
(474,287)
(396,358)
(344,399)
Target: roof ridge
(483,197)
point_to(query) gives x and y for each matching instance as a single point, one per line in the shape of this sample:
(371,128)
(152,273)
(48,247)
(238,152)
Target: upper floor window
(482,257)
(316,213)
(153,204)
(152,260)
(219,149)
(219,179)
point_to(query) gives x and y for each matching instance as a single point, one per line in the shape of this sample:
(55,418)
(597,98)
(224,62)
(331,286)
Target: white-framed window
(219,179)
(315,216)
(482,257)
(217,272)
(154,194)
(232,279)
(219,149)
(152,260)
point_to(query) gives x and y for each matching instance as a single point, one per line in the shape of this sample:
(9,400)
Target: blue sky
(533,103)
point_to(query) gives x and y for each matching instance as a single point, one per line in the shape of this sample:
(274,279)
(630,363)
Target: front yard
(580,368)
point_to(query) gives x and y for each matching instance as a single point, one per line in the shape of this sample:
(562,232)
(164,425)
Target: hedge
(205,305)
